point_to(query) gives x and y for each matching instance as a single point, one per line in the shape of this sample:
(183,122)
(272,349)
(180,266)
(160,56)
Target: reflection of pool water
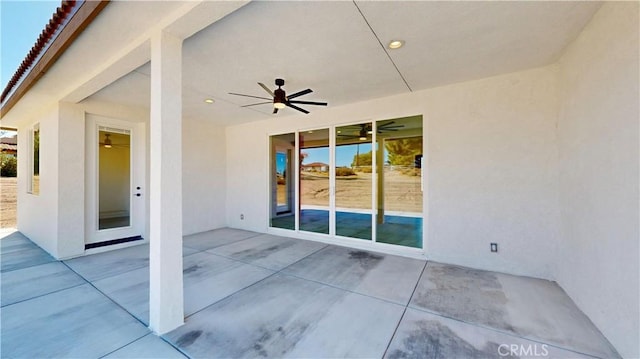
(396,229)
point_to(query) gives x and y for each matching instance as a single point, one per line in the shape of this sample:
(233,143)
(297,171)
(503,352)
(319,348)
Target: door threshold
(112,242)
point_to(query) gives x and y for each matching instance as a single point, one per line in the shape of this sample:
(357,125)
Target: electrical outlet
(241,216)
(494,247)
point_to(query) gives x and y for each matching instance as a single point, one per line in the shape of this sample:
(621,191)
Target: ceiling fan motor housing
(279,96)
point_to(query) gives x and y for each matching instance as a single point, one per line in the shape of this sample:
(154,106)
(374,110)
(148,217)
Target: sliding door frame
(332,237)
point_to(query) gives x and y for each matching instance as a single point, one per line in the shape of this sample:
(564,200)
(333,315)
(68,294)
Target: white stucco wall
(493,173)
(203,176)
(598,148)
(71,186)
(38,214)
(491,167)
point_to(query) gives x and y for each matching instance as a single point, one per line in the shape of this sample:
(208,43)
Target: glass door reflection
(314,181)
(353,180)
(399,181)
(282,183)
(114,179)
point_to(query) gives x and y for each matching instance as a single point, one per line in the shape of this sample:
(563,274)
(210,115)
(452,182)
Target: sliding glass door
(282,180)
(362,181)
(314,180)
(353,181)
(399,182)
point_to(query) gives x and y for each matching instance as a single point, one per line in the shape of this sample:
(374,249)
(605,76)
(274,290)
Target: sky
(21,22)
(344,155)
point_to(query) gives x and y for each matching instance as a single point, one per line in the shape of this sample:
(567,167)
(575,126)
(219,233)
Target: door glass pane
(353,180)
(282,184)
(399,200)
(314,181)
(114,175)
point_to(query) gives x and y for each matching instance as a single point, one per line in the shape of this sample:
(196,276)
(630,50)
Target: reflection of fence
(398,168)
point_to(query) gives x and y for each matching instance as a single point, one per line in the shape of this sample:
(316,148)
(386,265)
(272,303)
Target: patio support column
(166,309)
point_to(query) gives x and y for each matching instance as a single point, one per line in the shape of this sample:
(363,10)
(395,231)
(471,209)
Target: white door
(115,179)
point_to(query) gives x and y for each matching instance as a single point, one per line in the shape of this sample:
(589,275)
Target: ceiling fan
(108,142)
(362,131)
(280,99)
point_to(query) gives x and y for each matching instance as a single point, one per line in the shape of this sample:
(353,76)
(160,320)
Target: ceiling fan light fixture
(396,44)
(363,135)
(107,141)
(279,96)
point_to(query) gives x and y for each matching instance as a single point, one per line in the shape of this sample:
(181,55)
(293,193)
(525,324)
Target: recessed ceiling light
(396,44)
(209,100)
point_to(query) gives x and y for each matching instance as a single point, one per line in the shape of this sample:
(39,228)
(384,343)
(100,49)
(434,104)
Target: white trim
(296,203)
(425,182)
(31,153)
(374,182)
(332,181)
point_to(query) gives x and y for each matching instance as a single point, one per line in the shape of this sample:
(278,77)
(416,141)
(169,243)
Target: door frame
(137,208)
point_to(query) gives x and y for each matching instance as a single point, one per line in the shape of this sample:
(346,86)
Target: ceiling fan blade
(296,107)
(255,104)
(387,124)
(266,89)
(299,93)
(310,103)
(381,130)
(239,94)
(275,110)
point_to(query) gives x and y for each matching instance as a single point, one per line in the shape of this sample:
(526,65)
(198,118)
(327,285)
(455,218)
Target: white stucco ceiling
(330,48)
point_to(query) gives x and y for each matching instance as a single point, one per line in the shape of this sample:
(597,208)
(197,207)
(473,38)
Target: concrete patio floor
(256,295)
